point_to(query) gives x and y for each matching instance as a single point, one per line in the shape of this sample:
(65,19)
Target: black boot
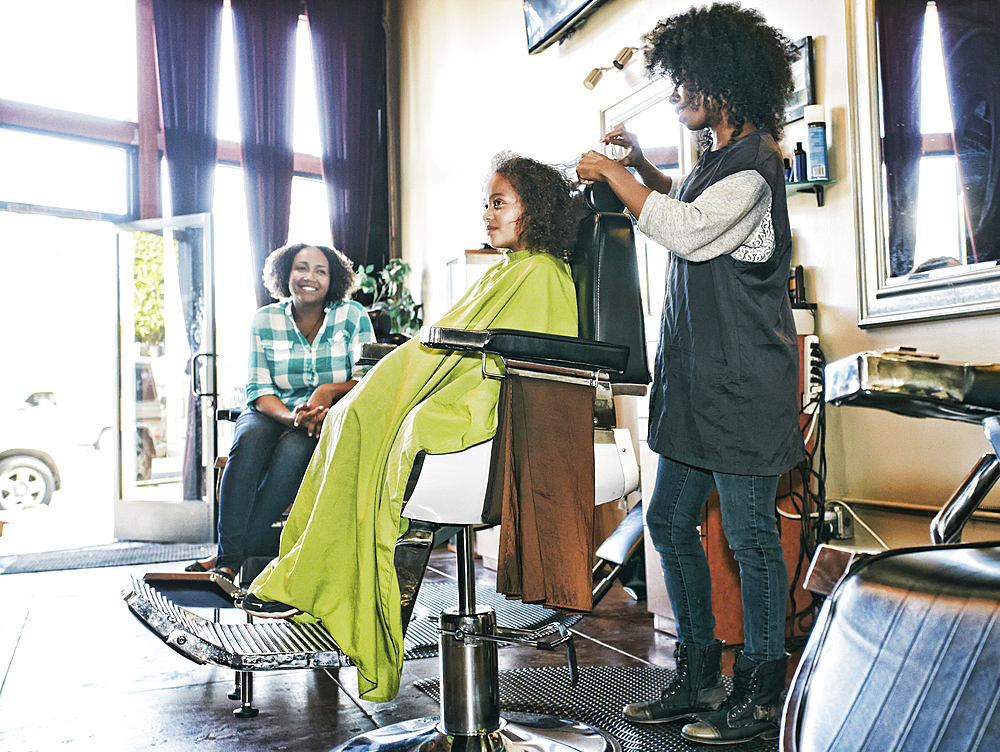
(697,687)
(753,709)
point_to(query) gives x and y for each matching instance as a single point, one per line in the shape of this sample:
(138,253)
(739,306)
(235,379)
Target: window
(62,172)
(70,55)
(940,237)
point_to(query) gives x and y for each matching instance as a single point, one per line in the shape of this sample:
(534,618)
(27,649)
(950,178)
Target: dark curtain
(900,28)
(187,53)
(349,54)
(265,78)
(970,39)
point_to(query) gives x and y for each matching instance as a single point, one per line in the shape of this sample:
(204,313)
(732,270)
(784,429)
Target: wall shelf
(812,186)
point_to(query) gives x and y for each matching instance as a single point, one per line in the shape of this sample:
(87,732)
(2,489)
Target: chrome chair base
(524,733)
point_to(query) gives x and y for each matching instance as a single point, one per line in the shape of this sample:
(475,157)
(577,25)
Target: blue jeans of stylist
(750,524)
(262,476)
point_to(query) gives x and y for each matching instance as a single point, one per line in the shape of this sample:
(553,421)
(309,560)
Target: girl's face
(309,280)
(693,116)
(503,210)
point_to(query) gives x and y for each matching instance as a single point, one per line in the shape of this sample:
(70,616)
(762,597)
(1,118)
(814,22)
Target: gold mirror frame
(881,299)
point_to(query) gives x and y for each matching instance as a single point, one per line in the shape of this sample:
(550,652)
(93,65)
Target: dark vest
(725,388)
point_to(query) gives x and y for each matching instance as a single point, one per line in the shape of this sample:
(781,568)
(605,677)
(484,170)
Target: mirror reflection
(938,95)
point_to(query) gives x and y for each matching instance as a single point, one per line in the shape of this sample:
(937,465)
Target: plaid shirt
(282,363)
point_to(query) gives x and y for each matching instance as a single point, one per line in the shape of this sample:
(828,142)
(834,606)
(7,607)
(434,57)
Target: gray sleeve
(732,216)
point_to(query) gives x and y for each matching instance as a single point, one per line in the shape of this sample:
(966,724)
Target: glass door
(164,433)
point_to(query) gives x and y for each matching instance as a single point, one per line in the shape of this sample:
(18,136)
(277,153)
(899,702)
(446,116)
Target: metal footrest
(260,646)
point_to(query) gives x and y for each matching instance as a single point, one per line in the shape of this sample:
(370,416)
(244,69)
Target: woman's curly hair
(278,268)
(549,211)
(726,56)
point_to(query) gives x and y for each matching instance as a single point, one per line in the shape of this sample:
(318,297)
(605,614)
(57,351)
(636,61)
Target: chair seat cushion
(451,488)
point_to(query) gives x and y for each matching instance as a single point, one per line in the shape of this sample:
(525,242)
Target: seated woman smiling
(302,355)
(336,557)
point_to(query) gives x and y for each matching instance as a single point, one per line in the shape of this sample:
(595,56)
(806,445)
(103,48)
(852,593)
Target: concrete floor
(79,671)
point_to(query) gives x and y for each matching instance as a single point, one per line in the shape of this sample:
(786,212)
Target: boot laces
(742,695)
(680,678)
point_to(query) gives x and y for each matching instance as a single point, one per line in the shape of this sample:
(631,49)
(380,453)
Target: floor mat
(421,639)
(597,699)
(112,555)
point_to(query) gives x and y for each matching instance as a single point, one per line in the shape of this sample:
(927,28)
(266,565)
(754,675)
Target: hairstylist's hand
(618,136)
(593,167)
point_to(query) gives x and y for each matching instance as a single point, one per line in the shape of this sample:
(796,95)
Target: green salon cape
(336,557)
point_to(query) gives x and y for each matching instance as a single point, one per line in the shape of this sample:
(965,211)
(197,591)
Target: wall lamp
(620,61)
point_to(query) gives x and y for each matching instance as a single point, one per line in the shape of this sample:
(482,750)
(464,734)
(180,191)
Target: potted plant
(391,296)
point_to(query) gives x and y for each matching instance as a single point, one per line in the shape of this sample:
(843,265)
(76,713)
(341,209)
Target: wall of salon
(468,88)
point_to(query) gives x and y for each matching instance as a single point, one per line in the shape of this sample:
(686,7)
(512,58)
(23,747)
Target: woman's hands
(618,136)
(309,416)
(594,166)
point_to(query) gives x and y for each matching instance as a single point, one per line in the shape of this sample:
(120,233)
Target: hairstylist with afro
(723,406)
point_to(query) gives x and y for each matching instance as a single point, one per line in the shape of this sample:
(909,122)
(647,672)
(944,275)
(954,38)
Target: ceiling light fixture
(621,60)
(595,75)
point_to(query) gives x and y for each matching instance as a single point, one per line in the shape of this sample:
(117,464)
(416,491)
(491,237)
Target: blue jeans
(262,476)
(749,521)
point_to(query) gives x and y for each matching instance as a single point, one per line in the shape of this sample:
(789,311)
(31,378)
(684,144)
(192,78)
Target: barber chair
(446,494)
(905,651)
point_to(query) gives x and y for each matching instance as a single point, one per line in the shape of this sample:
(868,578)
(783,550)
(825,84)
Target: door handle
(195,377)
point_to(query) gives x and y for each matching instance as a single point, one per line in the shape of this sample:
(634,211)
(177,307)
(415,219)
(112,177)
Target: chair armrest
(529,346)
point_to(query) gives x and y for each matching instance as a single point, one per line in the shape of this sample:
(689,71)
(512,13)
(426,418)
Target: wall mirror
(926,157)
(648,114)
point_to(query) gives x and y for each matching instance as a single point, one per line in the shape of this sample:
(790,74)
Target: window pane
(935,107)
(229,114)
(305,137)
(58,391)
(71,55)
(310,215)
(62,172)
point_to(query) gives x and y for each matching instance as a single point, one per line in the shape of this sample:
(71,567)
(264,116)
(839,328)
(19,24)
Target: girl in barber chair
(723,405)
(336,557)
(302,358)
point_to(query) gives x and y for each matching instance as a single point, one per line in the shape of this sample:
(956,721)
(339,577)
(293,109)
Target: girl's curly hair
(726,56)
(549,212)
(278,268)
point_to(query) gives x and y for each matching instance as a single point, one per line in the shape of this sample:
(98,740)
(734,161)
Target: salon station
(153,154)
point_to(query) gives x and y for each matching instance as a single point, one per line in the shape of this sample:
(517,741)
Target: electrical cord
(808,499)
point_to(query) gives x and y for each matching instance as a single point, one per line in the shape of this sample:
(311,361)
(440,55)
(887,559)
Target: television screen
(548,21)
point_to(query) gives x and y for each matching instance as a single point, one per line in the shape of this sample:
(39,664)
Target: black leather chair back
(606,272)
(903,656)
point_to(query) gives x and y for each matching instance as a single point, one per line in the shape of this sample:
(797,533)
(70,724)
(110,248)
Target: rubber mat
(113,555)
(421,639)
(598,699)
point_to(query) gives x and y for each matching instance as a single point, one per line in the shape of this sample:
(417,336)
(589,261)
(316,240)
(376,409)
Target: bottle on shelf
(799,174)
(788,171)
(816,156)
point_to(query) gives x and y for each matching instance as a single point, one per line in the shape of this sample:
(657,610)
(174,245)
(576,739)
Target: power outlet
(837,523)
(812,373)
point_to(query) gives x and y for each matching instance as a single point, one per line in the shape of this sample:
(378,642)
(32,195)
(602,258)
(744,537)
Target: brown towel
(545,482)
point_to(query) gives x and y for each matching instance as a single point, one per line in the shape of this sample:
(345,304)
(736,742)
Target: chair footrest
(260,646)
